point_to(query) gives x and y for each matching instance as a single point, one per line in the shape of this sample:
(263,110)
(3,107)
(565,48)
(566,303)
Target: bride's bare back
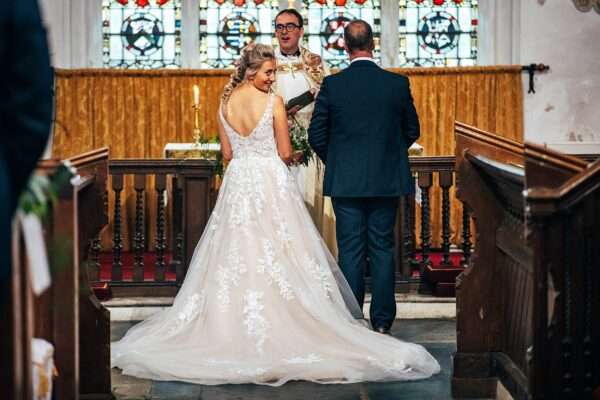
(243,112)
(245,109)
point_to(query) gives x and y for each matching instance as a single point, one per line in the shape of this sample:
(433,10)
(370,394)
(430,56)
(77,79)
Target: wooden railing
(179,195)
(159,207)
(170,232)
(524,303)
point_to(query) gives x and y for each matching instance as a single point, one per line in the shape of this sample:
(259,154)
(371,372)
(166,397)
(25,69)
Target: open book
(302,100)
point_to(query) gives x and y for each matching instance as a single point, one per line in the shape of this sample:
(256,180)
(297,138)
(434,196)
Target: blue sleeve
(318,132)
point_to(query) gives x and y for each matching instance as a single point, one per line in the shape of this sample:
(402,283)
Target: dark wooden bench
(524,304)
(67,314)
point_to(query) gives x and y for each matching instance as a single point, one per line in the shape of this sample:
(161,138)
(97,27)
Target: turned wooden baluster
(446,180)
(138,238)
(160,185)
(177,231)
(94,263)
(117,186)
(425,181)
(408,240)
(466,234)
(567,307)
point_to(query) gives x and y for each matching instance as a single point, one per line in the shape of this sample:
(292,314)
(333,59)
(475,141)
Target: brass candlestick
(197,133)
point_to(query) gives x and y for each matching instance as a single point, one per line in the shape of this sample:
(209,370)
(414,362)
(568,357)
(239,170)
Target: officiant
(300,71)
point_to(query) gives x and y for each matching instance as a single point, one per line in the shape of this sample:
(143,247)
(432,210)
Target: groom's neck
(360,53)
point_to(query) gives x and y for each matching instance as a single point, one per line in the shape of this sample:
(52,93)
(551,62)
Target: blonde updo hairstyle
(252,58)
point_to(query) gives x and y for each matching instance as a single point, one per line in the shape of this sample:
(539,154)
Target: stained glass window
(142,33)
(227,26)
(438,32)
(326,21)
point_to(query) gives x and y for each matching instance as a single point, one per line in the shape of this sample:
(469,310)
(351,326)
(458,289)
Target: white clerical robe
(291,81)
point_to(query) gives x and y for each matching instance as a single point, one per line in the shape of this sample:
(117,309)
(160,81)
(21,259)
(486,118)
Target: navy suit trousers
(365,230)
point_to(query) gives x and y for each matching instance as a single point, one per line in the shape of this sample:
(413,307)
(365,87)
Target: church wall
(564,111)
(72,43)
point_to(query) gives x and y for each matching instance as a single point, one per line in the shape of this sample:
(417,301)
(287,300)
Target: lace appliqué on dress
(189,311)
(247,195)
(389,366)
(283,232)
(308,359)
(321,274)
(229,275)
(274,270)
(255,323)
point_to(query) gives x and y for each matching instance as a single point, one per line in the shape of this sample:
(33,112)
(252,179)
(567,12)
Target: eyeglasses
(287,27)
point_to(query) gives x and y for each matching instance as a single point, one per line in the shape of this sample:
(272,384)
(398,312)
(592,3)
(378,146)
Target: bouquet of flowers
(302,152)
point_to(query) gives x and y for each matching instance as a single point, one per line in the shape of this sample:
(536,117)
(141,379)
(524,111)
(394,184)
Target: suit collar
(363,64)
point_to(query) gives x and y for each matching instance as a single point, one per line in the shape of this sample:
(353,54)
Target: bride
(263,301)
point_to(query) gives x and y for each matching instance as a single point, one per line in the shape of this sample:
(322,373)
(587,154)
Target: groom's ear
(346,48)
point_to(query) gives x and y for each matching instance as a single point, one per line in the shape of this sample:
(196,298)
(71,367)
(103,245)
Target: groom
(363,123)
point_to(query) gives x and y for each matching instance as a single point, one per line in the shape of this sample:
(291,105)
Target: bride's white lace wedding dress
(263,300)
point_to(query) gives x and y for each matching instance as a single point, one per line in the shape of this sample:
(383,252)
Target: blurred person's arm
(26,109)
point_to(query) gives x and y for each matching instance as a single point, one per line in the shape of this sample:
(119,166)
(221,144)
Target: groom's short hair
(293,12)
(358,35)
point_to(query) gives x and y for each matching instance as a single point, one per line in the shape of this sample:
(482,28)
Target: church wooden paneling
(527,252)
(16,317)
(478,293)
(94,318)
(565,232)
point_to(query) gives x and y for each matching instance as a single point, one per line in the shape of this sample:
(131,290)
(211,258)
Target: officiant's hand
(292,111)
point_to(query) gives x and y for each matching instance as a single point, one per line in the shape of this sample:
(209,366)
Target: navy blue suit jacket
(363,123)
(25,106)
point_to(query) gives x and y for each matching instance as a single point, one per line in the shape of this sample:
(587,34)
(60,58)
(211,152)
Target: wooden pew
(564,234)
(16,325)
(501,323)
(67,314)
(91,211)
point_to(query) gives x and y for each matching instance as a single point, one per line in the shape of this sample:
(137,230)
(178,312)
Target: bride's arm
(282,135)
(225,145)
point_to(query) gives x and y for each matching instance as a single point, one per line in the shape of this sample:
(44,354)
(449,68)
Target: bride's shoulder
(277,100)
(278,105)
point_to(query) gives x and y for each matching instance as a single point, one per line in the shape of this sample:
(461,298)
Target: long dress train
(264,301)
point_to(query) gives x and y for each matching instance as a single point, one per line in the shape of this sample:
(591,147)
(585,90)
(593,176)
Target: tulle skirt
(264,301)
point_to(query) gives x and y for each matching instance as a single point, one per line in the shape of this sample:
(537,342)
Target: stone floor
(438,336)
(408,306)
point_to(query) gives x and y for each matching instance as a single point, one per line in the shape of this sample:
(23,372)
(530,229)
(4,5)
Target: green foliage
(299,139)
(218,157)
(42,191)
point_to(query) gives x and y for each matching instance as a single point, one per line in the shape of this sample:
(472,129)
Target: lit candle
(196,95)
